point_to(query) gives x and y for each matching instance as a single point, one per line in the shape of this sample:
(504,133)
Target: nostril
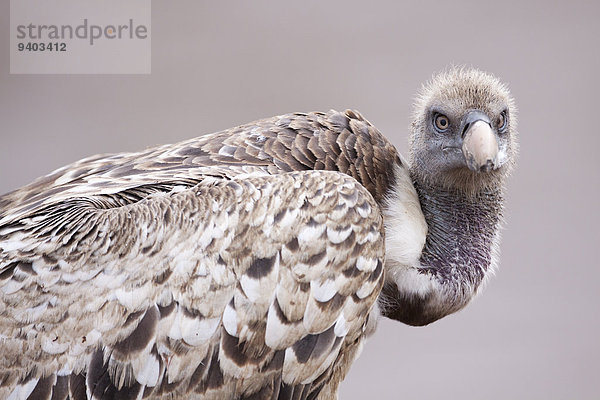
(465,129)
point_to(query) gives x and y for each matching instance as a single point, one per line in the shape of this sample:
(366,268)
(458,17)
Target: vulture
(254,262)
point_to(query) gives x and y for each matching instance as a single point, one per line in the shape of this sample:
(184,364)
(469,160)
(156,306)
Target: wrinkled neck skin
(459,254)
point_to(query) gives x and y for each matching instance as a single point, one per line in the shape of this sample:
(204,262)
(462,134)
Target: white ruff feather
(406,231)
(405,226)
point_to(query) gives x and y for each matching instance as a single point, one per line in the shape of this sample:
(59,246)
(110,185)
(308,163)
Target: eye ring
(441,122)
(502,121)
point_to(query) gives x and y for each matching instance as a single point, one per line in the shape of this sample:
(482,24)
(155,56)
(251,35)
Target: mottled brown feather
(130,260)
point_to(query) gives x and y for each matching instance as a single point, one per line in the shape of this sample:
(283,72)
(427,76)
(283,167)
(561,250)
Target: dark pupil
(443,122)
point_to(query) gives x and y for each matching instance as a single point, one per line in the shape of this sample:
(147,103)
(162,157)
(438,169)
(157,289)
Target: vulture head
(463,132)
(462,147)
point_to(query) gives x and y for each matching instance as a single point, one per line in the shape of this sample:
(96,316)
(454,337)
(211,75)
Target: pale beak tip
(480,147)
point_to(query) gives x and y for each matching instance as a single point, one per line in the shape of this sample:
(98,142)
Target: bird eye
(502,121)
(441,122)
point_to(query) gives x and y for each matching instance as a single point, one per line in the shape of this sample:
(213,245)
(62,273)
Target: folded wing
(226,285)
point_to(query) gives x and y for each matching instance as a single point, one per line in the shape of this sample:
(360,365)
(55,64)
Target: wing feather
(225,288)
(338,141)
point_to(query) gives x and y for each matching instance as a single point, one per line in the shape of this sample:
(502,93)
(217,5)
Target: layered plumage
(250,263)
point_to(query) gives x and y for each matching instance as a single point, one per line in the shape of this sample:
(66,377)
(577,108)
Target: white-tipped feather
(195,330)
(323,290)
(338,236)
(340,328)
(132,299)
(279,335)
(22,392)
(146,370)
(366,264)
(310,233)
(289,218)
(251,288)
(366,289)
(230,320)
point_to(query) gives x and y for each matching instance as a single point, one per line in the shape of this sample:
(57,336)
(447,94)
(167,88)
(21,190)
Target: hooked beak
(480,146)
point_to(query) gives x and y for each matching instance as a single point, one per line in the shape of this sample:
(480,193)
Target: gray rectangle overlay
(80,37)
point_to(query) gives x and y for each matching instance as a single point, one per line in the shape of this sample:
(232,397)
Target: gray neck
(461,234)
(458,254)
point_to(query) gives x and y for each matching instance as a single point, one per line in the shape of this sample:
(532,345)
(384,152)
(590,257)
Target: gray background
(534,333)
